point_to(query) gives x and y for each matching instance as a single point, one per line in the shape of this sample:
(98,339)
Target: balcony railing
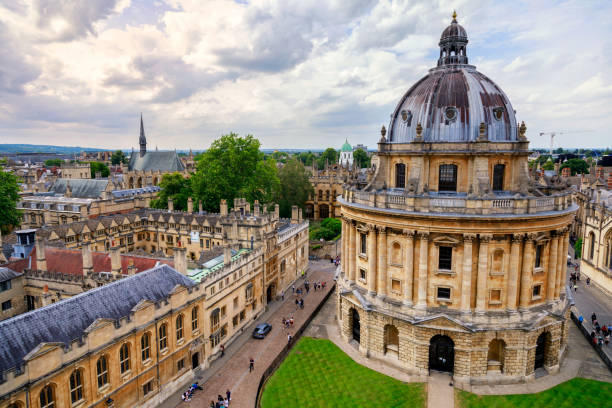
(459,203)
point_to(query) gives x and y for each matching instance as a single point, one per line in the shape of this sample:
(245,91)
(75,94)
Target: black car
(261,330)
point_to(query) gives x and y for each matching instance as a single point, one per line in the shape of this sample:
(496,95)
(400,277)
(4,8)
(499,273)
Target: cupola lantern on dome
(453,44)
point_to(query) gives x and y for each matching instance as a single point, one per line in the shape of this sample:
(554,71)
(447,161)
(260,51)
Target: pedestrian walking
(575,288)
(588,281)
(222,348)
(228,395)
(593,318)
(226,403)
(289,338)
(580,319)
(293,288)
(251,364)
(301,303)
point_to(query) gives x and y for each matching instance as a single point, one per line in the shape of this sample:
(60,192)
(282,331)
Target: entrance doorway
(540,351)
(270,292)
(441,353)
(195,360)
(356,327)
(323,211)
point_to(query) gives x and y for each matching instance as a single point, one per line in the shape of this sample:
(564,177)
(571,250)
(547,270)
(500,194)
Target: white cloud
(295,74)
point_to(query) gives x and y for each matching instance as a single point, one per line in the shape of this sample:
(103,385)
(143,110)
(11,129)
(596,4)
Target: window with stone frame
(194,318)
(445,258)
(400,175)
(102,371)
(180,364)
(447,180)
(163,337)
(364,244)
(145,346)
(538,256)
(396,285)
(147,388)
(124,358)
(76,386)
(536,292)
(47,397)
(214,320)
(179,327)
(362,274)
(443,293)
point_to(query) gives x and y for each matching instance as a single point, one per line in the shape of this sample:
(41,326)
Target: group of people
(221,401)
(189,393)
(601,334)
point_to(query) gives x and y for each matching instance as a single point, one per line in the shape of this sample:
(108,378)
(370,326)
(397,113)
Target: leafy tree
(558,150)
(234,167)
(294,186)
(10,216)
(360,157)
(576,166)
(280,156)
(173,186)
(101,167)
(578,248)
(307,158)
(53,162)
(549,165)
(329,229)
(118,157)
(330,155)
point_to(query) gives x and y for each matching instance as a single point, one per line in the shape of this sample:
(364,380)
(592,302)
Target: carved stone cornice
(408,233)
(381,229)
(485,238)
(530,237)
(469,238)
(423,236)
(517,238)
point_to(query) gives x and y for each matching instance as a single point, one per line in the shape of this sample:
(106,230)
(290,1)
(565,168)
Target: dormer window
(407,117)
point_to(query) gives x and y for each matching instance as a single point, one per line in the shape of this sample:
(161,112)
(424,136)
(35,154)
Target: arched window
(163,337)
(145,346)
(495,356)
(47,397)
(194,318)
(102,371)
(76,386)
(396,253)
(498,177)
(400,175)
(124,358)
(179,327)
(320,194)
(448,178)
(591,245)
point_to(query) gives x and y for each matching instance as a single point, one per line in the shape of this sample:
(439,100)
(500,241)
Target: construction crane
(553,134)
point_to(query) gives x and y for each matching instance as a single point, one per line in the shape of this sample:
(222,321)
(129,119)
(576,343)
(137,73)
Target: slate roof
(7,274)
(66,320)
(81,188)
(156,161)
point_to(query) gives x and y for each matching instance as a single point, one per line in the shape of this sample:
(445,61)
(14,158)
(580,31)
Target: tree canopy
(118,157)
(307,158)
(53,162)
(101,167)
(10,216)
(330,155)
(577,166)
(295,186)
(173,186)
(361,157)
(234,167)
(329,229)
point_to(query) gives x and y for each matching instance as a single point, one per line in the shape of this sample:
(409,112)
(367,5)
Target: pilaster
(409,268)
(513,274)
(382,261)
(372,259)
(551,279)
(481,282)
(466,274)
(423,258)
(527,272)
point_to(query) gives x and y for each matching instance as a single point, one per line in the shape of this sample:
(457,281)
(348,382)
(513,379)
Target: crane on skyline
(555,133)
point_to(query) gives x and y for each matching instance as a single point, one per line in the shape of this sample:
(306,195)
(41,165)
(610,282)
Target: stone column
(352,247)
(514,271)
(527,272)
(466,274)
(372,259)
(562,263)
(422,288)
(551,280)
(382,261)
(409,268)
(481,283)
(344,254)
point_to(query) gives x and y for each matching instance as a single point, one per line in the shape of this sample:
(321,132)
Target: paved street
(589,299)
(232,371)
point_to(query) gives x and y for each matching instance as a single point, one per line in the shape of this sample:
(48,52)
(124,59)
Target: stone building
(11,293)
(76,170)
(346,155)
(453,258)
(71,200)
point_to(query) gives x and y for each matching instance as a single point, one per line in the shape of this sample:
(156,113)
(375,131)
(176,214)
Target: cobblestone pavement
(232,371)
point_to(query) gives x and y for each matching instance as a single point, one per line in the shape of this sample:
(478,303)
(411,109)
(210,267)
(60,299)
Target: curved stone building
(454,259)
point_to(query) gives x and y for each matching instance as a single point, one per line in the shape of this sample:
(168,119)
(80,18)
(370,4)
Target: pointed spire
(143,140)
(454,16)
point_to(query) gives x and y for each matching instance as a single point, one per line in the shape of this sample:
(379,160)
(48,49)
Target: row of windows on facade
(327,197)
(447,177)
(445,255)
(591,253)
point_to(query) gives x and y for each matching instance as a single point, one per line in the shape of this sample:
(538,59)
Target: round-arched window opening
(406,116)
(450,113)
(498,113)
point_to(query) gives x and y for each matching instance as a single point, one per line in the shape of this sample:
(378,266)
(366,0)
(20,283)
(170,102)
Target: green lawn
(318,374)
(577,392)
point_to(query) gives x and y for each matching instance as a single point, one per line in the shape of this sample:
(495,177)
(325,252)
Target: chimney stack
(190,205)
(170,204)
(41,259)
(300,219)
(276,211)
(87,259)
(294,214)
(131,269)
(115,256)
(223,207)
(200,207)
(46,296)
(180,260)
(227,254)
(247,208)
(98,175)
(256,208)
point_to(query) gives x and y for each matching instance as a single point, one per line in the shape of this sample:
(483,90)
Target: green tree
(294,186)
(576,166)
(101,167)
(173,186)
(549,165)
(360,157)
(234,167)
(330,155)
(329,229)
(53,162)
(307,158)
(118,157)
(10,216)
(578,248)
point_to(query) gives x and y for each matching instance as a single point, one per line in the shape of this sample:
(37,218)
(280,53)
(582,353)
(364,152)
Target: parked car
(261,330)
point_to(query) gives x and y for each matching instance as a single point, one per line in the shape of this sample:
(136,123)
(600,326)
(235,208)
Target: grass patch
(577,392)
(318,374)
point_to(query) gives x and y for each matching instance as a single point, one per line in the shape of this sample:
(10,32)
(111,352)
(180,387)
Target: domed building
(453,258)
(346,155)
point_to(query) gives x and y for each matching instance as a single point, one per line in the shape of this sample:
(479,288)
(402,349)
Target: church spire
(143,140)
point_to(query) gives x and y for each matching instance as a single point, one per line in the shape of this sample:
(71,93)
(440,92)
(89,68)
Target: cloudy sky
(294,73)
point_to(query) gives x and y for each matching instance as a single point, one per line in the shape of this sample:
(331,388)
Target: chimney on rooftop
(294,214)
(247,208)
(41,248)
(115,256)
(276,211)
(256,208)
(200,207)
(46,296)
(300,219)
(227,254)
(190,205)
(223,207)
(170,204)
(180,260)
(87,259)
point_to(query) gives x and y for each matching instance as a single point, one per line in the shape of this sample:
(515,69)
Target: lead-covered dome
(454,102)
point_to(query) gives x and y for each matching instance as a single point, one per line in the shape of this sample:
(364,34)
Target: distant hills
(30,148)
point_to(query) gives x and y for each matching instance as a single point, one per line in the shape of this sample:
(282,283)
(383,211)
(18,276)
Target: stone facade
(453,258)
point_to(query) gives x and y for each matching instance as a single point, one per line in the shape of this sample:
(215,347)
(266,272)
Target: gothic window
(76,386)
(47,397)
(163,336)
(591,245)
(400,175)
(145,346)
(102,371)
(445,257)
(179,327)
(498,177)
(124,358)
(538,256)
(364,241)
(194,318)
(448,178)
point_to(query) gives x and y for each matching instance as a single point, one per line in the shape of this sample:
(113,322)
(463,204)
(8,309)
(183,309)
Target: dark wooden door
(540,351)
(441,353)
(356,326)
